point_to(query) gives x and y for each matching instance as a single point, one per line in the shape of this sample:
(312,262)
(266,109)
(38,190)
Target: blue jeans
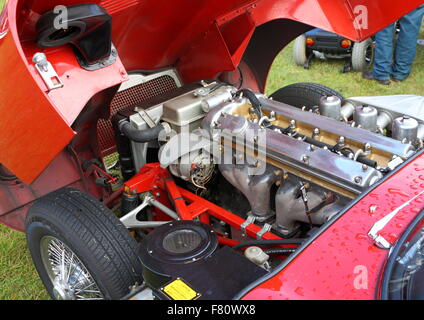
(405,47)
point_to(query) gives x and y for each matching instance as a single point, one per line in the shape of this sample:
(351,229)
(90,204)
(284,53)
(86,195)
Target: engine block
(311,163)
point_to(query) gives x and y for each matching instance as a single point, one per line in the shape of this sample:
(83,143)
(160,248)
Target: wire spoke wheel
(80,248)
(71,279)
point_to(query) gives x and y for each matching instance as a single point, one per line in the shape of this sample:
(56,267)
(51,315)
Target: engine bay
(190,189)
(283,169)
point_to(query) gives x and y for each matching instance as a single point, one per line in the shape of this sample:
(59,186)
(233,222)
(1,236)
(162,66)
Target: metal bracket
(145,116)
(379,240)
(250,220)
(46,71)
(130,219)
(395,163)
(145,294)
(266,228)
(304,195)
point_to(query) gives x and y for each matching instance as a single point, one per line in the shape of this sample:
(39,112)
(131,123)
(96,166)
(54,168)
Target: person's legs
(383,53)
(406,45)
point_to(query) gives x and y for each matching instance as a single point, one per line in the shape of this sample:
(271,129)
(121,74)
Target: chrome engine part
(312,163)
(405,129)
(183,112)
(393,107)
(189,109)
(366,117)
(330,106)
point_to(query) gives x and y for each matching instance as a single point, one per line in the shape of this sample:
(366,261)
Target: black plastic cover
(89,30)
(217,274)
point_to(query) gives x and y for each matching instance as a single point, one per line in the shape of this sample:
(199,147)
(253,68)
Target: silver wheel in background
(299,50)
(362,55)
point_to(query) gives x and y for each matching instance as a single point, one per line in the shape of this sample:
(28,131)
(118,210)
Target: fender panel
(32,132)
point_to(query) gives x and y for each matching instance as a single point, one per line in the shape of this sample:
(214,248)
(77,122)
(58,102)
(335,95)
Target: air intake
(181,260)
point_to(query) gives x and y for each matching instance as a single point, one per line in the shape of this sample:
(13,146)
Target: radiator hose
(280,251)
(259,243)
(256,104)
(141,136)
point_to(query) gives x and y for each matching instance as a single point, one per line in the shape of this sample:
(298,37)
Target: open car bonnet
(200,41)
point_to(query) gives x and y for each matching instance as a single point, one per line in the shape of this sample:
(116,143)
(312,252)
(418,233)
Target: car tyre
(362,55)
(303,94)
(299,50)
(75,242)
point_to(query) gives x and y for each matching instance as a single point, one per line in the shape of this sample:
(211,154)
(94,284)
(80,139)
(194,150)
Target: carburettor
(384,121)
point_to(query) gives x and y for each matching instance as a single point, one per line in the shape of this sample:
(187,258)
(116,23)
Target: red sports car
(142,159)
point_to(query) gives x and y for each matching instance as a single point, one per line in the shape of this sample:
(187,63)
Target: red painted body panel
(21,195)
(16,198)
(200,39)
(343,255)
(35,125)
(32,131)
(79,86)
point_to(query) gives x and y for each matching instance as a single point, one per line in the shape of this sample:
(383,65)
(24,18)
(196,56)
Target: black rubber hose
(5,176)
(345,152)
(268,242)
(141,136)
(123,146)
(256,104)
(280,251)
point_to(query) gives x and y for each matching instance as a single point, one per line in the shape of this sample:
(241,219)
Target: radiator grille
(127,98)
(328,39)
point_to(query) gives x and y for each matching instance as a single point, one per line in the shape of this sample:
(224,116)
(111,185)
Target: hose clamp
(266,228)
(250,220)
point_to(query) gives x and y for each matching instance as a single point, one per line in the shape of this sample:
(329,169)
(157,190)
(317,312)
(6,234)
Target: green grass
(285,72)
(18,278)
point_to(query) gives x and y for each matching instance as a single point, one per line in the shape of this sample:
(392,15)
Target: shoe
(369,76)
(397,80)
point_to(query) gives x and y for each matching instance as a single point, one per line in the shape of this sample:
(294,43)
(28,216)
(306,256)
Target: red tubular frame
(189,206)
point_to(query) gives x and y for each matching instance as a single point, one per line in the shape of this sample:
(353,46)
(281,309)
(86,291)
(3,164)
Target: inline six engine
(293,165)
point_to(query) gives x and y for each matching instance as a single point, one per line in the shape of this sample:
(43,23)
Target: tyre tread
(303,94)
(98,228)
